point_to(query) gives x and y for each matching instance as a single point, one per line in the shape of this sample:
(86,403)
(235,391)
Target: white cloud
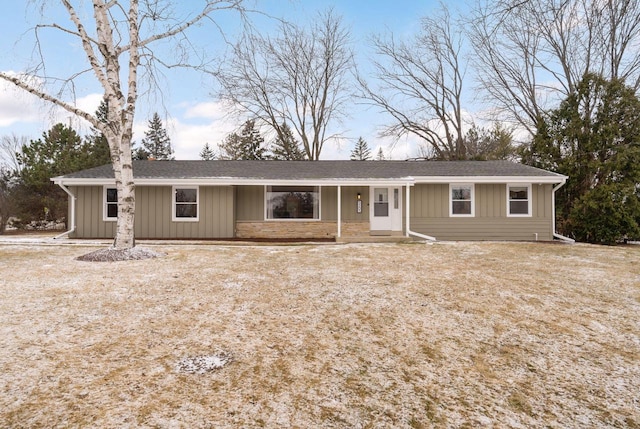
(208,110)
(25,112)
(17,105)
(199,123)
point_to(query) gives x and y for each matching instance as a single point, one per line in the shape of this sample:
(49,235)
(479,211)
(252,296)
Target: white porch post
(339,211)
(407,208)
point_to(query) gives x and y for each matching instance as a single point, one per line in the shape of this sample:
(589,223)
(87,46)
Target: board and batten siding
(429,214)
(154,205)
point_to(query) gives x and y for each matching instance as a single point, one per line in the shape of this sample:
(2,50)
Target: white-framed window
(110,203)
(292,203)
(185,203)
(461,201)
(518,200)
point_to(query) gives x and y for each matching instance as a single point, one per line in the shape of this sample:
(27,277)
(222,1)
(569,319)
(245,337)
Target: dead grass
(408,336)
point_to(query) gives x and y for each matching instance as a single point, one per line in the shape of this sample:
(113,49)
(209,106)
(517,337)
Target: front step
(374,239)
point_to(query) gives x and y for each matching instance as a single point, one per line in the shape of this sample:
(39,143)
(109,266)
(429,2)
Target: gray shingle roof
(306,170)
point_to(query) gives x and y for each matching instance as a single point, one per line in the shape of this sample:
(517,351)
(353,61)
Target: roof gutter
(408,219)
(73,210)
(553,214)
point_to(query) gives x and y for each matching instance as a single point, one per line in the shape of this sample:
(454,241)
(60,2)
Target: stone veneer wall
(299,229)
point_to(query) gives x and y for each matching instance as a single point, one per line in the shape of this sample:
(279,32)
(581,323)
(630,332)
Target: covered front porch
(349,212)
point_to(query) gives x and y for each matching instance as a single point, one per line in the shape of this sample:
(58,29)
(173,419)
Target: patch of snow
(204,363)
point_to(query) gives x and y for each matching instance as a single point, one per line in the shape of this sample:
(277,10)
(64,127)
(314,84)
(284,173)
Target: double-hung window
(110,203)
(461,202)
(293,202)
(518,200)
(185,203)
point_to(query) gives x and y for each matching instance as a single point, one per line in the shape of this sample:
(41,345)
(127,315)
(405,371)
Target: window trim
(529,200)
(105,203)
(175,218)
(472,199)
(266,207)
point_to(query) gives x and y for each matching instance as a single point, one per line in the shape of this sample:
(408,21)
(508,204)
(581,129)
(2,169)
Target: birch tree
(119,47)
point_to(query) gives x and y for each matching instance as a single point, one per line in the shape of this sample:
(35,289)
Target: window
(518,200)
(381,202)
(110,206)
(185,204)
(461,202)
(293,202)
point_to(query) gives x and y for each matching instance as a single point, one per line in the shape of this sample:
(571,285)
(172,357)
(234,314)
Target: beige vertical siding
(153,214)
(429,214)
(250,203)
(89,223)
(349,203)
(220,207)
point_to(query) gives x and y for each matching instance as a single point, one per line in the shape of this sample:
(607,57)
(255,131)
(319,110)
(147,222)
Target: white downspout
(553,215)
(339,211)
(408,219)
(73,212)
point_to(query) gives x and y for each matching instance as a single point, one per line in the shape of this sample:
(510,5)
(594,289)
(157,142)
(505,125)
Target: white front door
(385,210)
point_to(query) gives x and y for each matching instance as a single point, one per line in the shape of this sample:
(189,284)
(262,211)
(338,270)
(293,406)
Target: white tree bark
(108,51)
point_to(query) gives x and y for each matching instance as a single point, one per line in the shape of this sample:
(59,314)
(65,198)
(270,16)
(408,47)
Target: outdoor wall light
(359,203)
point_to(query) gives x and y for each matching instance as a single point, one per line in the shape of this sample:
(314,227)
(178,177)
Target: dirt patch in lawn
(393,335)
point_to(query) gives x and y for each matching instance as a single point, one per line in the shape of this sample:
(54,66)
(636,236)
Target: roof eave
(230,181)
(491,179)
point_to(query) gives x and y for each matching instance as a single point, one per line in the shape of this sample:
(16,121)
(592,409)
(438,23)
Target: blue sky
(193,115)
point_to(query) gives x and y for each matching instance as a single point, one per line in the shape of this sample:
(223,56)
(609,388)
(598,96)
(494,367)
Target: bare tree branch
(298,78)
(530,54)
(421,85)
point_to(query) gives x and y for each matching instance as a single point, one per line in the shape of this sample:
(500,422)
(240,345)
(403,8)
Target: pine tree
(156,142)
(207,154)
(380,155)
(252,141)
(247,145)
(286,147)
(361,152)
(97,141)
(594,139)
(230,147)
(61,150)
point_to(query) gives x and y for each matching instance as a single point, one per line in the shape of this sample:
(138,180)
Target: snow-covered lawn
(345,336)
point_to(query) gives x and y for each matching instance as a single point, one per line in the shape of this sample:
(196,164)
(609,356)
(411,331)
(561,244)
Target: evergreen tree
(287,147)
(594,139)
(207,154)
(380,155)
(7,200)
(231,148)
(60,151)
(493,144)
(139,153)
(98,144)
(248,145)
(361,152)
(156,143)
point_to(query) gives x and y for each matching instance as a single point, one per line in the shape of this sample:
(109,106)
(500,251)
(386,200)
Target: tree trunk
(125,237)
(123,173)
